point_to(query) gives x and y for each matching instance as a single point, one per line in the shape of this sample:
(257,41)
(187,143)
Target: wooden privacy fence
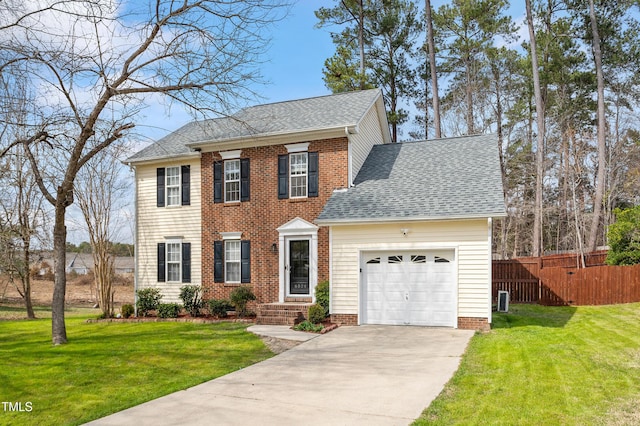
(557,280)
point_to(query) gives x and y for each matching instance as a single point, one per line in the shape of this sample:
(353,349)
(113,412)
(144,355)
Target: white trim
(297,147)
(231,235)
(330,270)
(297,229)
(231,155)
(387,220)
(490,268)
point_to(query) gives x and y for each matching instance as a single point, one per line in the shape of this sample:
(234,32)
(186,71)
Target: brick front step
(282,313)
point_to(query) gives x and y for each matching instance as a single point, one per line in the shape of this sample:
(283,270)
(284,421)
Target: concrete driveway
(369,375)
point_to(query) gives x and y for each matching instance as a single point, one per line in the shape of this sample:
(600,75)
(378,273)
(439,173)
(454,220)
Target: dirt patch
(79,292)
(277,346)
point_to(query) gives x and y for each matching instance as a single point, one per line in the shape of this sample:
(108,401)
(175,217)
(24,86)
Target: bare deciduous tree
(95,64)
(101,192)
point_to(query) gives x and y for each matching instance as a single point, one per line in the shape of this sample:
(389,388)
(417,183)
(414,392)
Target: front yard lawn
(107,367)
(548,366)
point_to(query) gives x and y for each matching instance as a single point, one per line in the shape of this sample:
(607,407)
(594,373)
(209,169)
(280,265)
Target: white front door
(416,288)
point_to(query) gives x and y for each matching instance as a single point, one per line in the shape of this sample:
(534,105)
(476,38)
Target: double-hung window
(232,261)
(173,186)
(231,181)
(174,261)
(298,174)
(231,178)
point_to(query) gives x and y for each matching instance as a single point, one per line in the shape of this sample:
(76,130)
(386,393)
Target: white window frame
(237,249)
(227,181)
(174,186)
(304,174)
(169,261)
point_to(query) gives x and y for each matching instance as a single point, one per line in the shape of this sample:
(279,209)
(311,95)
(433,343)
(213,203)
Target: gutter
(373,221)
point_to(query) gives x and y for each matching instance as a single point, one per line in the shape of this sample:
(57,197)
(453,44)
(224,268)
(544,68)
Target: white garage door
(412,288)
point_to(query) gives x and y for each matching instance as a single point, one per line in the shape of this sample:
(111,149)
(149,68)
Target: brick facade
(344,319)
(469,323)
(259,218)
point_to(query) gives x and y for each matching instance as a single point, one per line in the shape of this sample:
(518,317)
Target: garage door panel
(416,288)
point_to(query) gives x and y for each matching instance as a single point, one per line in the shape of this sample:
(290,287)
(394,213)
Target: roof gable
(438,179)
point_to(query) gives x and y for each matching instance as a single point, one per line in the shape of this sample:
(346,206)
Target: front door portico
(298,260)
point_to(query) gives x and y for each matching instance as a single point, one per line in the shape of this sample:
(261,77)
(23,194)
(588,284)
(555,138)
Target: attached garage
(410,241)
(409,288)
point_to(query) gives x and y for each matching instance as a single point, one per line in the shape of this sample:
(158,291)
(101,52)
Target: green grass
(548,366)
(107,367)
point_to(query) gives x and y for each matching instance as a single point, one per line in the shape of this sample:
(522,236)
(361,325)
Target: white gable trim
(298,226)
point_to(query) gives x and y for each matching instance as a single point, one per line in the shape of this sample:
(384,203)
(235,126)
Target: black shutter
(186,262)
(245,261)
(160,186)
(283,176)
(244,179)
(218,261)
(186,185)
(313,174)
(217,182)
(161,263)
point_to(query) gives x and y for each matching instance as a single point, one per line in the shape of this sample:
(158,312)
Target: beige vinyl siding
(156,224)
(369,134)
(468,237)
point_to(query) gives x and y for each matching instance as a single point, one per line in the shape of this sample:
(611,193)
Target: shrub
(308,326)
(148,300)
(219,307)
(624,237)
(168,310)
(127,310)
(190,296)
(240,296)
(322,296)
(316,314)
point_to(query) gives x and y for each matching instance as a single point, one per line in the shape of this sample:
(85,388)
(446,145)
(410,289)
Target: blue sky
(293,65)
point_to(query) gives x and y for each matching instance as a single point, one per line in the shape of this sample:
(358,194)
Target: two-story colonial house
(285,195)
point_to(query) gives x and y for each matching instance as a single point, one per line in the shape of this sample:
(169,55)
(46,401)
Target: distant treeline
(117,249)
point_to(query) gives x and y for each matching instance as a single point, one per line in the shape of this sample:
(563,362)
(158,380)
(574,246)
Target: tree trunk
(434,75)
(58,328)
(361,43)
(600,176)
(469,98)
(26,280)
(537,211)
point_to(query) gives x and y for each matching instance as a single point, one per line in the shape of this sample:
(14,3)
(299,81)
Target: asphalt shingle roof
(443,178)
(324,112)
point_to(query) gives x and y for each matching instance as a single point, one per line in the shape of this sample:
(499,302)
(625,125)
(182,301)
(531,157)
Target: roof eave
(161,159)
(373,221)
(275,138)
